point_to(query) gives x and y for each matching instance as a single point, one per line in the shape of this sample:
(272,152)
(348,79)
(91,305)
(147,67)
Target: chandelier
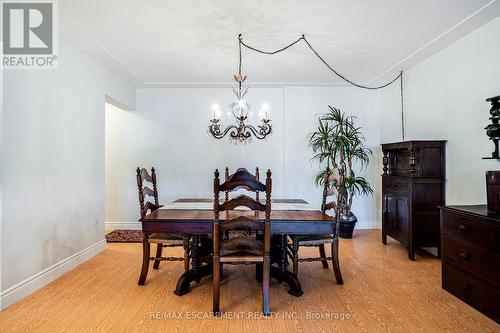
(241,111)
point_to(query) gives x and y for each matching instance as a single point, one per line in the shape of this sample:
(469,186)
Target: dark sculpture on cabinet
(493,129)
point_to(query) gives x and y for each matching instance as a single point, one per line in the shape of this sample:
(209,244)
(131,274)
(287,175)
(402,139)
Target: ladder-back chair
(338,205)
(226,177)
(161,239)
(244,249)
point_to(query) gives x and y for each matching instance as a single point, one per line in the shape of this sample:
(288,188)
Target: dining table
(194,217)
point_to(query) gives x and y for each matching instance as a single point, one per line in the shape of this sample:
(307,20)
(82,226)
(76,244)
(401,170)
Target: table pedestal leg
(294,286)
(280,273)
(184,282)
(197,271)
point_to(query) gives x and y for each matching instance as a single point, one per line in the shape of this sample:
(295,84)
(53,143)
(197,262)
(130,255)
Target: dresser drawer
(475,292)
(473,258)
(469,229)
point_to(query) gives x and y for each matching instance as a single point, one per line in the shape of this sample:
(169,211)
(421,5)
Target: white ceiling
(182,42)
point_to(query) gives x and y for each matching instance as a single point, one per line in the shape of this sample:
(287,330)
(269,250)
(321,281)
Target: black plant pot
(347,223)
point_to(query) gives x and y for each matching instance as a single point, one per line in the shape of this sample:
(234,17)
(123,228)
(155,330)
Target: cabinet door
(397,216)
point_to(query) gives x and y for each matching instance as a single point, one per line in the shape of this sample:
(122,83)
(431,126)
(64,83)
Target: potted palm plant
(339,144)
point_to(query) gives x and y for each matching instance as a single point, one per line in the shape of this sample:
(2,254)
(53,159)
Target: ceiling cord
(402,107)
(303,37)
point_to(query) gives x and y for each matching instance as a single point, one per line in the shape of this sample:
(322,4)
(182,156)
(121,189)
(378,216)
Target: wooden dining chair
(296,241)
(244,249)
(226,177)
(161,239)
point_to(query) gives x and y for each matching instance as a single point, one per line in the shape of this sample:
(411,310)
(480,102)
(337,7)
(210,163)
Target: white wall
(1,181)
(53,172)
(168,130)
(445,99)
(126,134)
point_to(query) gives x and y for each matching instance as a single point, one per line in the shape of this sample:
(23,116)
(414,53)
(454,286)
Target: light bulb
(216,114)
(215,107)
(241,103)
(262,114)
(265,107)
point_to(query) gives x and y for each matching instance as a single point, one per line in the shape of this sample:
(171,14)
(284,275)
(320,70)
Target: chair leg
(323,255)
(216,282)
(259,265)
(295,259)
(258,272)
(185,245)
(335,261)
(145,261)
(265,285)
(159,250)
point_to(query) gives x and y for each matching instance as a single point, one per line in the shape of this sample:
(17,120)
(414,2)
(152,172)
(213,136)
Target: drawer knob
(467,286)
(462,227)
(464,255)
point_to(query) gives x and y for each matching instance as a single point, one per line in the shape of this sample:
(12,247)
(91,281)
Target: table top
(207,215)
(306,220)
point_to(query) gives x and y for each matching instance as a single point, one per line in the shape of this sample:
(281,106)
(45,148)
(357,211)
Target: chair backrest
(242,179)
(339,203)
(226,177)
(143,177)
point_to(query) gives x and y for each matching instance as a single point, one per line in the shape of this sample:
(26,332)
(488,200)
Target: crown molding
(154,85)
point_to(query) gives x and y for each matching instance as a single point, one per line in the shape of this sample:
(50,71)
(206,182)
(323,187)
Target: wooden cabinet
(413,187)
(471,256)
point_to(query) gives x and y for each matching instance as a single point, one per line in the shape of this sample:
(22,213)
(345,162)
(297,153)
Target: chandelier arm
(232,128)
(241,133)
(218,134)
(259,134)
(265,128)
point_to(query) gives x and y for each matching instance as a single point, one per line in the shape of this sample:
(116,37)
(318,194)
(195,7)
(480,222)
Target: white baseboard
(371,224)
(122,226)
(431,250)
(35,282)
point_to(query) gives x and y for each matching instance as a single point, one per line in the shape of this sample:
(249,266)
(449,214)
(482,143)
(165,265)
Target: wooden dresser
(471,257)
(413,187)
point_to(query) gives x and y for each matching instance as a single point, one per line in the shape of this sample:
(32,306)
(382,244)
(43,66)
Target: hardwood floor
(382,291)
